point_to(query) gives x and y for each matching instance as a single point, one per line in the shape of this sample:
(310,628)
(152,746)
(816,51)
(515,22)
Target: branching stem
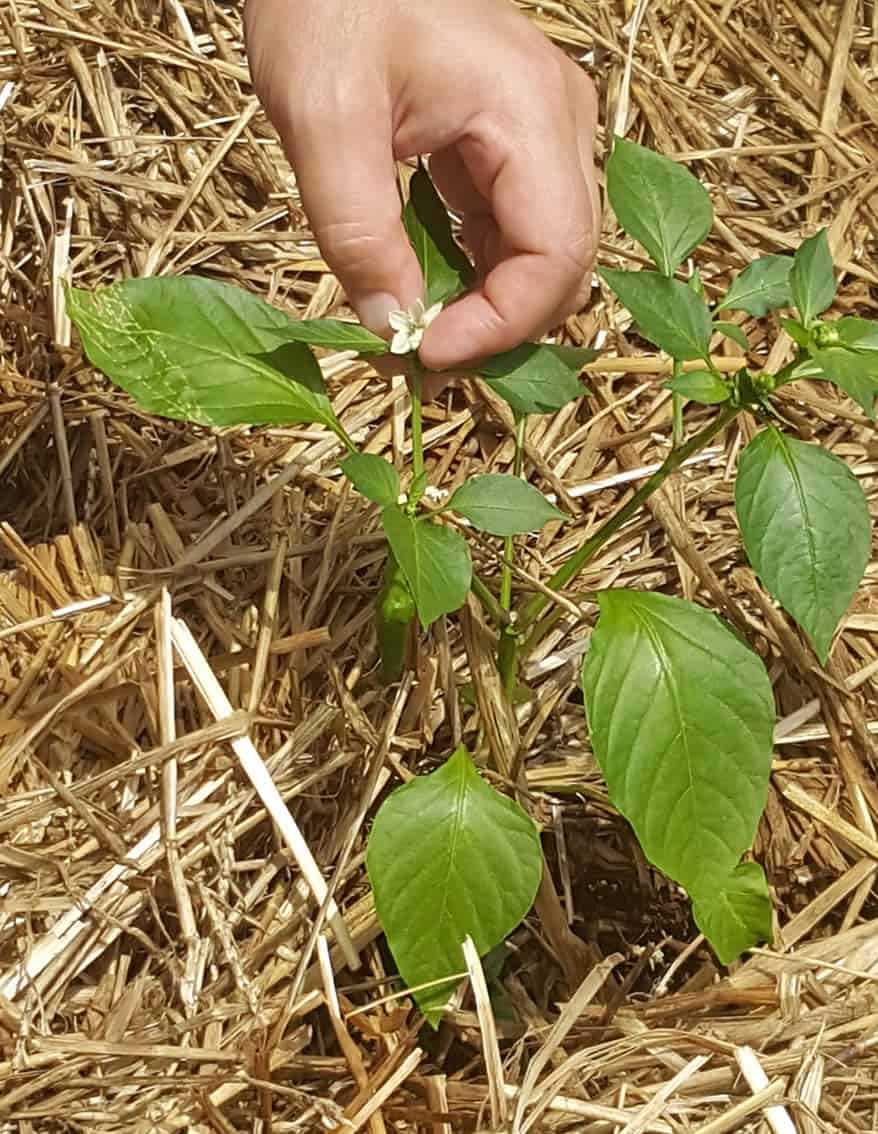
(565,574)
(498,615)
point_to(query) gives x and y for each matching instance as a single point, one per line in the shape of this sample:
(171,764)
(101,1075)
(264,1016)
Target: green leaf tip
(331,334)
(658,202)
(812,277)
(737,914)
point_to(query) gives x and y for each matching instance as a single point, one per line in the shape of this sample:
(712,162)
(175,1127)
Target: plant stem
(508,547)
(489,603)
(677,402)
(342,434)
(678,421)
(417,419)
(507,652)
(506,574)
(592,546)
(507,658)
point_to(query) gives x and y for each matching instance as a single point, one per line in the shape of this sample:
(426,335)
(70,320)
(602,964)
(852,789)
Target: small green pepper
(394,616)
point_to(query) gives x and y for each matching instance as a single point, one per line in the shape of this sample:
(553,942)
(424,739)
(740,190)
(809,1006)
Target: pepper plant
(680,709)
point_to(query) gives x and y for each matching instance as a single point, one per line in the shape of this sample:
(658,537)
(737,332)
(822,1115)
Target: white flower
(409,326)
(435,494)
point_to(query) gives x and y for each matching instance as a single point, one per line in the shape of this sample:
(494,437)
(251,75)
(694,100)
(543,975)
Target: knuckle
(353,247)
(331,102)
(304,116)
(497,316)
(575,268)
(580,252)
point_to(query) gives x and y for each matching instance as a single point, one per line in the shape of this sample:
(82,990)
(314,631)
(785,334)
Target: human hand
(509,121)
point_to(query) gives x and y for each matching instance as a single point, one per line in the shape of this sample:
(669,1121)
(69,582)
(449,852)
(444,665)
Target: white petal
(416,311)
(400,342)
(415,336)
(398,320)
(431,313)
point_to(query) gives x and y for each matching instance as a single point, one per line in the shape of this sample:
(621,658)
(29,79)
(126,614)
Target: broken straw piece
(254,767)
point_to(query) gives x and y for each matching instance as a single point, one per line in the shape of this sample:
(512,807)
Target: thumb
(346,176)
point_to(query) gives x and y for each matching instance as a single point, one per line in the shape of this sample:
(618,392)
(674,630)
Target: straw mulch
(162,964)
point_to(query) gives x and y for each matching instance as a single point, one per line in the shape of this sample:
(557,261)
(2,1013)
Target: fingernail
(373,311)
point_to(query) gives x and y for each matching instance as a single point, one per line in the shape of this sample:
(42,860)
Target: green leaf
(503,505)
(695,283)
(667,312)
(681,716)
(812,278)
(850,332)
(857,334)
(736,915)
(417,488)
(802,367)
(701,386)
(434,559)
(658,202)
(805,525)
(501,1002)
(734,332)
(449,857)
(761,287)
(536,377)
(189,348)
(334,334)
(296,362)
(796,331)
(373,477)
(855,372)
(446,269)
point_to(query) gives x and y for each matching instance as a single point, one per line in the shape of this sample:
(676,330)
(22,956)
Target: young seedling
(680,710)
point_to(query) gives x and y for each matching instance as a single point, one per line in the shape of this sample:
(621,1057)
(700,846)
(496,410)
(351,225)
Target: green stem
(417,419)
(785,375)
(489,603)
(342,434)
(565,574)
(507,652)
(678,421)
(677,401)
(507,659)
(508,546)
(506,575)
